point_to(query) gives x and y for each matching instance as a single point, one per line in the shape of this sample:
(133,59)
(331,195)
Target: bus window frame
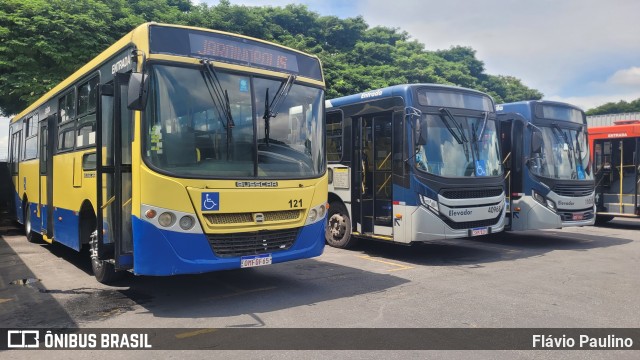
(83,119)
(341,153)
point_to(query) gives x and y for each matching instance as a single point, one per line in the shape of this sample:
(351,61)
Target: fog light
(166,219)
(186,222)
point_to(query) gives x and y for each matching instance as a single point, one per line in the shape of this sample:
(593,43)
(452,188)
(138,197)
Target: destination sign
(231,49)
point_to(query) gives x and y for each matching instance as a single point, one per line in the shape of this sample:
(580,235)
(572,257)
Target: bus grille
(573,190)
(252,243)
(238,218)
(471,194)
(567,216)
(470,224)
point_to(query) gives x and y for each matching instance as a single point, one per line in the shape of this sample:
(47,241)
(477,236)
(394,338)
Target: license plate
(255,260)
(578,216)
(479,231)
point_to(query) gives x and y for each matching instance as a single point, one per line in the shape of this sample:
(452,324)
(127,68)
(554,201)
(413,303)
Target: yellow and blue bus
(177,150)
(413,163)
(546,154)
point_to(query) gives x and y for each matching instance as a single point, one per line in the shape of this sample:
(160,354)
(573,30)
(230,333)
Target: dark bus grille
(471,194)
(252,243)
(469,224)
(573,190)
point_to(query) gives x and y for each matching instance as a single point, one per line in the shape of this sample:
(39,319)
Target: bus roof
(395,90)
(622,130)
(140,36)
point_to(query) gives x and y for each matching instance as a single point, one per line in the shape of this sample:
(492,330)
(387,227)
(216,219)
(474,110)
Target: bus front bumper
(161,252)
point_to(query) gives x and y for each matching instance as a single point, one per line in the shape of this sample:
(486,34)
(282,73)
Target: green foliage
(44,41)
(616,108)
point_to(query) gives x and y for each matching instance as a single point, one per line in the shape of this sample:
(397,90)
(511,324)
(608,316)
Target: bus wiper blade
(272,108)
(572,155)
(484,124)
(462,139)
(446,120)
(219,95)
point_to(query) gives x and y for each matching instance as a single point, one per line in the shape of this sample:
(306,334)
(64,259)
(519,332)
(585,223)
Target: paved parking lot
(582,277)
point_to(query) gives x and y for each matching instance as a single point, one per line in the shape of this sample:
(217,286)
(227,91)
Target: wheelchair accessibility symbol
(210,201)
(481,169)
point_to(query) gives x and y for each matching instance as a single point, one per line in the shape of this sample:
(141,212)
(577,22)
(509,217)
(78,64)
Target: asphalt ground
(570,278)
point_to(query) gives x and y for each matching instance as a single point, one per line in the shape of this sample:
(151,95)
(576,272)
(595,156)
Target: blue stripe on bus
(162,252)
(66,227)
(35,220)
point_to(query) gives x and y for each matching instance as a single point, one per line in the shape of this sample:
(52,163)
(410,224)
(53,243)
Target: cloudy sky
(584,52)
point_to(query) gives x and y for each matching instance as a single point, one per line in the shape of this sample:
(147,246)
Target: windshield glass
(445,148)
(564,154)
(188,134)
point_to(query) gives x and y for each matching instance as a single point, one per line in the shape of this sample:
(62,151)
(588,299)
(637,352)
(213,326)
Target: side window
(87,100)
(67,106)
(66,137)
(16,144)
(334,136)
(31,138)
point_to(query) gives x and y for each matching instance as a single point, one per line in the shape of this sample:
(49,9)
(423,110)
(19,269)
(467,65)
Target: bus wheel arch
(103,270)
(338,231)
(26,221)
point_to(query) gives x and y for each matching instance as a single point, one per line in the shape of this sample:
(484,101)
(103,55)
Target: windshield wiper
(462,139)
(572,155)
(220,99)
(484,124)
(271,108)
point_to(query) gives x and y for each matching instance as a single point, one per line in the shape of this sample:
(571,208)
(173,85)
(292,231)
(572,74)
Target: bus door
(617,175)
(113,172)
(511,143)
(45,200)
(373,197)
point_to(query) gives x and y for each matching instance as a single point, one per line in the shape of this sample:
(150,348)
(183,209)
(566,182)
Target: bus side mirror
(138,91)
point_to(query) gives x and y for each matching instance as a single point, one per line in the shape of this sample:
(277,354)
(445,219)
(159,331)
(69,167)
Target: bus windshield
(564,153)
(191,134)
(457,146)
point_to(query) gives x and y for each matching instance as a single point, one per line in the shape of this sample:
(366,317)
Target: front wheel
(338,233)
(104,271)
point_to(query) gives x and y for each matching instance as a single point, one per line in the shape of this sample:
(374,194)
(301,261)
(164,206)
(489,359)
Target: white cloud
(592,101)
(626,77)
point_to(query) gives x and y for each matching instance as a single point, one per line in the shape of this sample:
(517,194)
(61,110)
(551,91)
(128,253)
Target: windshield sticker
(156,139)
(580,171)
(481,168)
(244,85)
(210,201)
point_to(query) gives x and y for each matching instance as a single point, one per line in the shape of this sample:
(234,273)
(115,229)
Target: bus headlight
(186,222)
(166,219)
(316,214)
(543,200)
(429,203)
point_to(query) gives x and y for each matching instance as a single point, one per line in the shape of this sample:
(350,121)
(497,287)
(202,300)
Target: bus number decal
(295,203)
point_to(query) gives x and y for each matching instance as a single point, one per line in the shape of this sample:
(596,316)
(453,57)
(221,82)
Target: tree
(44,41)
(616,108)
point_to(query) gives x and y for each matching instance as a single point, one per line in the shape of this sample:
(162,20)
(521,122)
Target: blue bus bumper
(160,252)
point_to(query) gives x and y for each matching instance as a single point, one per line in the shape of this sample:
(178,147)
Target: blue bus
(546,156)
(413,163)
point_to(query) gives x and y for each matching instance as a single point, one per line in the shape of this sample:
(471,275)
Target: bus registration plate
(578,217)
(255,260)
(479,231)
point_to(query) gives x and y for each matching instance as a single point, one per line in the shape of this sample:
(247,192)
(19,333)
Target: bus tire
(603,219)
(28,230)
(338,233)
(104,271)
